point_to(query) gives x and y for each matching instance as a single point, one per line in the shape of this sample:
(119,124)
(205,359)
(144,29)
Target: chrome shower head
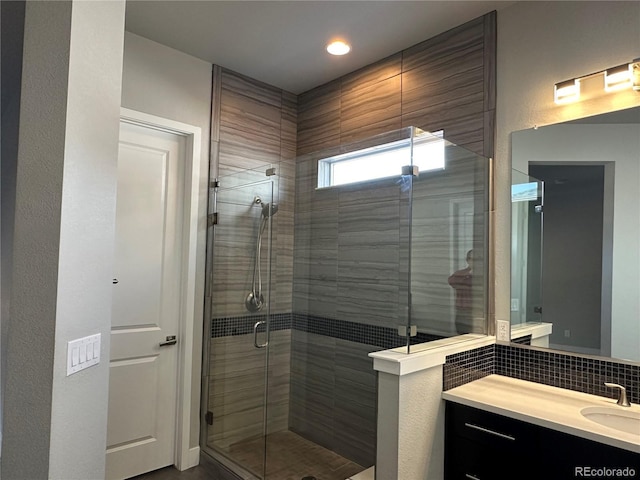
(269,209)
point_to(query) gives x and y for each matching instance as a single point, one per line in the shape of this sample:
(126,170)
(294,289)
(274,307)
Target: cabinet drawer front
(469,460)
(488,428)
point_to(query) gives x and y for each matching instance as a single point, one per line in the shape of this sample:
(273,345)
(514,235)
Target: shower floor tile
(291,457)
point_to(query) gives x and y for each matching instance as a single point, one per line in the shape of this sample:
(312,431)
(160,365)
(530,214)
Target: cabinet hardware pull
(486,430)
(471,477)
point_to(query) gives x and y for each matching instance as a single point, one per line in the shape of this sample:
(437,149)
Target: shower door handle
(255,335)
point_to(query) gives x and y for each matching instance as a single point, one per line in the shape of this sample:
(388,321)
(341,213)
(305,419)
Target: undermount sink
(614,417)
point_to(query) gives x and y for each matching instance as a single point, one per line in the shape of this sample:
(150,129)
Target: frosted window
(382,161)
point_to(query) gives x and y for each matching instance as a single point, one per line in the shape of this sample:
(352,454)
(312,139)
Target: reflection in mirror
(526,250)
(576,265)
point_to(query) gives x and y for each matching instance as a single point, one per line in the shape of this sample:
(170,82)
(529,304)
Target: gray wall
(11,43)
(63,239)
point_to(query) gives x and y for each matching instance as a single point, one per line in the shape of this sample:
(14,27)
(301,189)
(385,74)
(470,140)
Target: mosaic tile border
(242,325)
(573,372)
(382,337)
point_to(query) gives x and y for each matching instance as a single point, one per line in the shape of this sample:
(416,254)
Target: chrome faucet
(622,398)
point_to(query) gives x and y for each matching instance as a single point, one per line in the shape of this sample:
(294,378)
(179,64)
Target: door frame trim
(188,358)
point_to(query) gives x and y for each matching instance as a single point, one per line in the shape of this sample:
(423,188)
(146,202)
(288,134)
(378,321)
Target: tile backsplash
(465,367)
(563,370)
(573,372)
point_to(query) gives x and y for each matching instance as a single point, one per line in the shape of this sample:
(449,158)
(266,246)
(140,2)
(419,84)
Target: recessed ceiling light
(338,48)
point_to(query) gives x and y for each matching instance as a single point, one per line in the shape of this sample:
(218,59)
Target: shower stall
(304,285)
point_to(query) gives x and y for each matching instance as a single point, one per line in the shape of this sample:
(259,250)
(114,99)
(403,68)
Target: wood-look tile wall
(349,260)
(237,385)
(333,395)
(449,218)
(444,83)
(348,250)
(253,128)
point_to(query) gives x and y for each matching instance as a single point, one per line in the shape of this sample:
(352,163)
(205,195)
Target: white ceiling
(282,42)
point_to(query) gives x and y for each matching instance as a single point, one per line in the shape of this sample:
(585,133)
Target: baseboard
(190,460)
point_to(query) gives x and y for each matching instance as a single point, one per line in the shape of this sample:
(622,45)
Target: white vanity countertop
(550,407)
(536,330)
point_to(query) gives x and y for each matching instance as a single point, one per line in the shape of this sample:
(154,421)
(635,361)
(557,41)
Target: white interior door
(141,433)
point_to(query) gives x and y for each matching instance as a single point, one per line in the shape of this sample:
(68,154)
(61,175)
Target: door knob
(115,280)
(171,340)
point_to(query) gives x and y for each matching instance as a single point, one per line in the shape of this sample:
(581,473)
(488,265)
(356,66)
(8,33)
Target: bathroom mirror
(575,279)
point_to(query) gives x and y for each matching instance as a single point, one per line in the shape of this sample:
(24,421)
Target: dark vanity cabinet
(484,446)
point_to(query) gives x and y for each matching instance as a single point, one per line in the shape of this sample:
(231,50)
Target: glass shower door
(238,307)
(526,248)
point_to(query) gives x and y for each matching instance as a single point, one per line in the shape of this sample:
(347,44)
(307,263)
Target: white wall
(566,144)
(165,82)
(540,44)
(54,425)
(410,426)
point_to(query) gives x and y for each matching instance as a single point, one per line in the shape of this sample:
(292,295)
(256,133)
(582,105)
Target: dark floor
(289,457)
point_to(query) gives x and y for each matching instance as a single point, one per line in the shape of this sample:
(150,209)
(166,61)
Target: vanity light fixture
(617,78)
(567,91)
(635,74)
(338,47)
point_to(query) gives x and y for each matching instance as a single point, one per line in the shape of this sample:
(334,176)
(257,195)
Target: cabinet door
(568,456)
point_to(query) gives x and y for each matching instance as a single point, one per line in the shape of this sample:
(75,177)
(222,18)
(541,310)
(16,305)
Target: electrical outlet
(567,334)
(515,304)
(502,333)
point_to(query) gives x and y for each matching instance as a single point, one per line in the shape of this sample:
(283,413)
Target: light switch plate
(83,353)
(515,304)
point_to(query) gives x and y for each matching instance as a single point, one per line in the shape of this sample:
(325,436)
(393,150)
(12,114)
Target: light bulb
(338,48)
